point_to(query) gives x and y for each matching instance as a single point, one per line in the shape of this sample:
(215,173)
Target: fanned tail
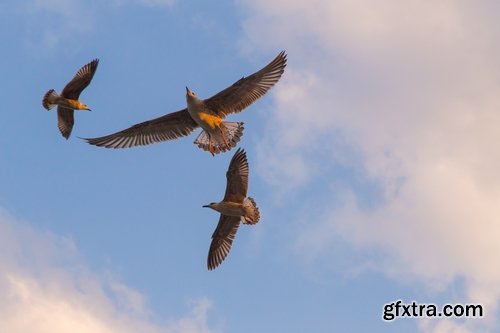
(49,99)
(216,142)
(252,215)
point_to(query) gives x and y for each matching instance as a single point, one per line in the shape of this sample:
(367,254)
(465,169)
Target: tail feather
(49,99)
(252,215)
(215,140)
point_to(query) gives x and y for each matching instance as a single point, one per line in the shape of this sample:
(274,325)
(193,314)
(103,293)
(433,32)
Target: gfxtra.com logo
(398,309)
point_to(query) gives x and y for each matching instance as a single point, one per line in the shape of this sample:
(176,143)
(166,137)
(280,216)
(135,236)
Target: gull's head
(83,106)
(190,93)
(212,205)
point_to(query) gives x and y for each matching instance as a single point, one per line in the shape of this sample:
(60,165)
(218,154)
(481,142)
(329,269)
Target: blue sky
(374,162)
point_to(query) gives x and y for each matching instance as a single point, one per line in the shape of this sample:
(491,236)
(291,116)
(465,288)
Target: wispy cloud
(45,287)
(402,97)
(55,21)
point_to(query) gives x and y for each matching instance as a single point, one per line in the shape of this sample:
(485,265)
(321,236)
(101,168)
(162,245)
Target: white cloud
(45,287)
(445,326)
(405,94)
(52,22)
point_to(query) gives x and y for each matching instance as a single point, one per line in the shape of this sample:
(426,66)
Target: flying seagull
(216,135)
(236,207)
(68,101)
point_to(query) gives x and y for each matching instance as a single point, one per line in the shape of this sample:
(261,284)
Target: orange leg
(224,138)
(211,148)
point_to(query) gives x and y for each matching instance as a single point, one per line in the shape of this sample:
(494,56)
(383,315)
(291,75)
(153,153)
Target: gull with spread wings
(67,102)
(236,207)
(216,135)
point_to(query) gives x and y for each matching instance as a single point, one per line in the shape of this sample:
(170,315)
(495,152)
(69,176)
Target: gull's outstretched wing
(167,127)
(65,120)
(222,240)
(80,81)
(237,177)
(248,89)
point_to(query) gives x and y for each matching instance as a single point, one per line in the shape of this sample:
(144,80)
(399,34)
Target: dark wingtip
(87,140)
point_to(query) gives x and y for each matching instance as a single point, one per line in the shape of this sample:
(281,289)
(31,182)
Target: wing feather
(237,177)
(222,240)
(65,120)
(167,127)
(80,81)
(248,89)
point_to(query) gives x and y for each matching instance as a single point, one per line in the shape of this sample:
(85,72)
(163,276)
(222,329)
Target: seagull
(68,101)
(236,207)
(216,135)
